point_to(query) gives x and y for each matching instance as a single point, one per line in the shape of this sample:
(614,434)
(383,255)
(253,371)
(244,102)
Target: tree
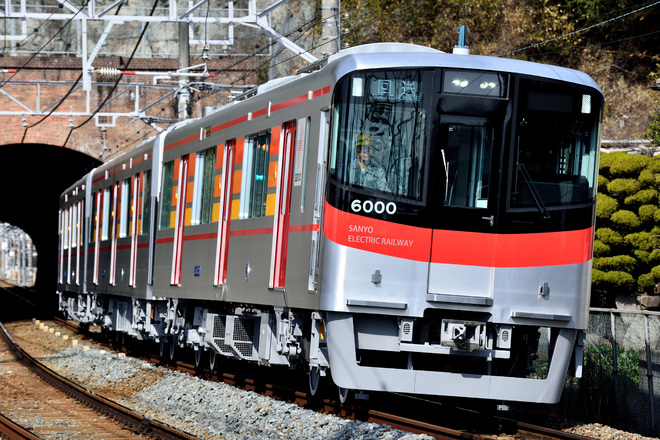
(627,242)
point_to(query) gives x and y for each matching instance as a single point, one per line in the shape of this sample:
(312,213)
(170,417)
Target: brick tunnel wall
(89,138)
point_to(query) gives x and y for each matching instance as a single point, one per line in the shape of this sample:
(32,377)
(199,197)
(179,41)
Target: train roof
(379,55)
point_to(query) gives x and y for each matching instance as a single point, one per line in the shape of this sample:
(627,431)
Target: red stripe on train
(457,247)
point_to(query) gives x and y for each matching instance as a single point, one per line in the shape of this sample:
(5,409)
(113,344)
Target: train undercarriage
(393,351)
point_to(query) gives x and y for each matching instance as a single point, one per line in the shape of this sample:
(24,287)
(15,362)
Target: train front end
(458,225)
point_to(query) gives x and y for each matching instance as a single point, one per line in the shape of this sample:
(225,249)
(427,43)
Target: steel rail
(11,430)
(124,415)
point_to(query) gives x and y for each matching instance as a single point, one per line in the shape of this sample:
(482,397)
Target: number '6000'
(369,206)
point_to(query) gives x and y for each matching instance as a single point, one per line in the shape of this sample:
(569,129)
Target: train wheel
(212,359)
(314,381)
(161,347)
(198,357)
(172,348)
(344,394)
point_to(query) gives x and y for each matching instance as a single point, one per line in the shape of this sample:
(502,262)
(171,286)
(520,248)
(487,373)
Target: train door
(226,186)
(116,193)
(134,228)
(77,241)
(97,216)
(282,204)
(469,201)
(179,222)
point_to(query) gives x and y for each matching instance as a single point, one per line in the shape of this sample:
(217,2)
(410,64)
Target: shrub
(643,197)
(624,187)
(647,213)
(608,236)
(646,281)
(646,178)
(602,182)
(626,219)
(607,160)
(629,165)
(654,164)
(596,393)
(601,249)
(645,241)
(623,263)
(642,256)
(605,206)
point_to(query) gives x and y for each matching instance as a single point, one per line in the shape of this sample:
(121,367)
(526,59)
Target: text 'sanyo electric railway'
(405,219)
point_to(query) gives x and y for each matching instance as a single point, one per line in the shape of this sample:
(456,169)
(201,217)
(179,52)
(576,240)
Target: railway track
(507,429)
(64,408)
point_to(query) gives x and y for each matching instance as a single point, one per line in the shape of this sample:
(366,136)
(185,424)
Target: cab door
(282,204)
(463,244)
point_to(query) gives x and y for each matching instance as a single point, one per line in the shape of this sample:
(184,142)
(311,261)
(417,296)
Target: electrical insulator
(108,71)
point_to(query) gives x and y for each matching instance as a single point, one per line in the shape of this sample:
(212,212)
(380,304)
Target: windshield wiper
(533,191)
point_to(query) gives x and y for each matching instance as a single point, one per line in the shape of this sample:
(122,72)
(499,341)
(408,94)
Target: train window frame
(167,189)
(474,173)
(404,163)
(254,180)
(105,214)
(544,176)
(65,227)
(301,157)
(202,202)
(145,215)
(74,225)
(124,205)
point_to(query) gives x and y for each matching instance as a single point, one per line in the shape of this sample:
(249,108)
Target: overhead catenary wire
(581,30)
(114,87)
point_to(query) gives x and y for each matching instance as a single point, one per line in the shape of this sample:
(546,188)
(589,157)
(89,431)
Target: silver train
(395,217)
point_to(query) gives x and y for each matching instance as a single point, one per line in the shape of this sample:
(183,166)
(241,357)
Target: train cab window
(166,195)
(556,146)
(465,147)
(379,126)
(124,203)
(146,202)
(203,187)
(105,223)
(256,157)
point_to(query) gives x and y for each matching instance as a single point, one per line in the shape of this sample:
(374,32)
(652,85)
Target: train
(392,218)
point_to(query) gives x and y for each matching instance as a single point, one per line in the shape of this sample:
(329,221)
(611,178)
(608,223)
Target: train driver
(365,171)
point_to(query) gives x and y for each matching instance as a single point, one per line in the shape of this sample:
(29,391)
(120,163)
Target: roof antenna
(461,48)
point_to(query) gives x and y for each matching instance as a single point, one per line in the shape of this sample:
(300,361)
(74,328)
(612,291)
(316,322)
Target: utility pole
(184,64)
(331,29)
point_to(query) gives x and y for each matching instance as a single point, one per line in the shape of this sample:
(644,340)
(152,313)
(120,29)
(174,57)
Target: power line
(581,30)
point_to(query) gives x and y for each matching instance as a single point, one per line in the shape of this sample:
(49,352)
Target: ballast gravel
(211,410)
(206,409)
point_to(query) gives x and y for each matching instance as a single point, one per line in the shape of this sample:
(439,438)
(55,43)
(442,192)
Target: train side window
(256,157)
(203,187)
(95,213)
(166,195)
(105,223)
(146,202)
(124,203)
(74,226)
(65,228)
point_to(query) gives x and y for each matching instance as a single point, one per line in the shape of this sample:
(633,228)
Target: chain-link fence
(620,384)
